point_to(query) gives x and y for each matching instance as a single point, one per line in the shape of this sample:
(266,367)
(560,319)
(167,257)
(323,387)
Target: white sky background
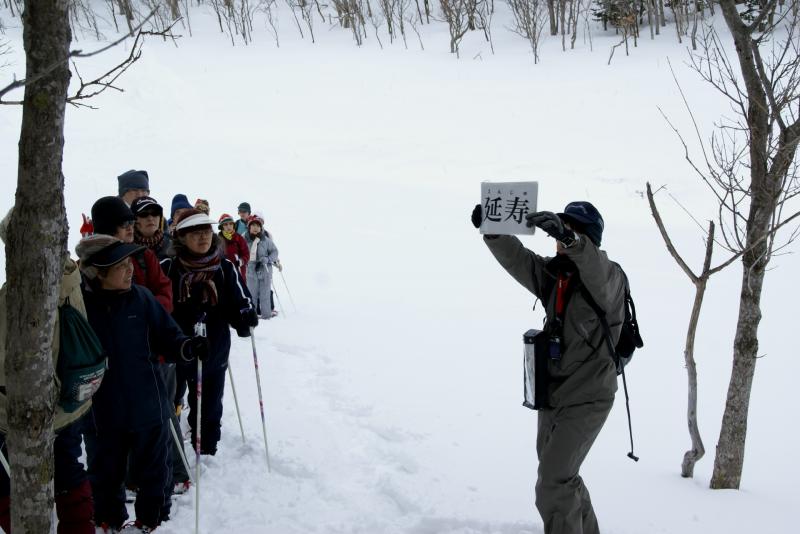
(394,395)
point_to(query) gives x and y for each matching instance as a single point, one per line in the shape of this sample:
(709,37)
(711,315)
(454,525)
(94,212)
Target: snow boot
(75,510)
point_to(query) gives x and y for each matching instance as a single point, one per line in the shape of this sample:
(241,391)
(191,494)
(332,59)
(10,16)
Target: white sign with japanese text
(505,205)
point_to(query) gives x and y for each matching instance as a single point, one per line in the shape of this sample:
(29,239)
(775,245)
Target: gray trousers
(260,285)
(564,438)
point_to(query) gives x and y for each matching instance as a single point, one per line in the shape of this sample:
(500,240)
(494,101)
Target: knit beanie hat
(109,213)
(202,205)
(585,219)
(255,219)
(179,201)
(144,206)
(244,206)
(133,180)
(224,218)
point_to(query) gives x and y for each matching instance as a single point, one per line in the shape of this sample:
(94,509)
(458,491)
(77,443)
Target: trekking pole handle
(200,329)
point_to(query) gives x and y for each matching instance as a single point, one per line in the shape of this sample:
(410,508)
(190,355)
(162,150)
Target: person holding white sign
(581,377)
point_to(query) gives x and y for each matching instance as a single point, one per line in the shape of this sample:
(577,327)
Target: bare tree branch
(17,84)
(106,81)
(667,240)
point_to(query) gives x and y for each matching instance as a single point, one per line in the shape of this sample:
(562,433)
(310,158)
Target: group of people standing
(159,295)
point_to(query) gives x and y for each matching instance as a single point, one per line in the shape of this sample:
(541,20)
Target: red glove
(87,228)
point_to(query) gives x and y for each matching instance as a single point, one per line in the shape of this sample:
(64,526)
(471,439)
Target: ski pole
(260,396)
(628,408)
(291,299)
(236,400)
(180,450)
(199,330)
(5,464)
(278,300)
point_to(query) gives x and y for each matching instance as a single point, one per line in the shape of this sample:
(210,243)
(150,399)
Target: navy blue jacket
(133,329)
(232,298)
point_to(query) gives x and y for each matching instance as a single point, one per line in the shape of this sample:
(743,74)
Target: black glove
(551,224)
(195,348)
(249,318)
(477,216)
(259,266)
(243,331)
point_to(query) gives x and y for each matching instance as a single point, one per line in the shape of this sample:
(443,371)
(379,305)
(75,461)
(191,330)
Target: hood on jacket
(70,281)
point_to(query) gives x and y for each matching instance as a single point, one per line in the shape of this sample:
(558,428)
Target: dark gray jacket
(586,371)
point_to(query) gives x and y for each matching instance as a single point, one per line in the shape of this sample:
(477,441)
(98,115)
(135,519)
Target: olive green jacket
(585,371)
(70,287)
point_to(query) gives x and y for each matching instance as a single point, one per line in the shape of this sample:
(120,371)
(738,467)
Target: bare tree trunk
(729,460)
(693,455)
(551,9)
(35,255)
(698,450)
(769,163)
(656,18)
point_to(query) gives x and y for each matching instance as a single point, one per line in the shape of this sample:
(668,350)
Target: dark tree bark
(551,11)
(35,255)
(770,161)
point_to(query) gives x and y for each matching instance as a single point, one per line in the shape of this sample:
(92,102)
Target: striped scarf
(153,242)
(199,270)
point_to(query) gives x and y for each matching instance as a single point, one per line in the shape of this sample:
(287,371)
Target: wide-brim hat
(113,254)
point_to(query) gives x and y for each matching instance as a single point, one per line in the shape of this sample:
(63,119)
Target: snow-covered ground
(393,393)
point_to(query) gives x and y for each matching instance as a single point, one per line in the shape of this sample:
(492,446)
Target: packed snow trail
(336,468)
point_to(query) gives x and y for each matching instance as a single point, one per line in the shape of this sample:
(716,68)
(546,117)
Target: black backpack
(82,361)
(629,338)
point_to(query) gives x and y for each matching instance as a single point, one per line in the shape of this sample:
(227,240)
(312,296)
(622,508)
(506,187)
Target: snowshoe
(181,487)
(136,527)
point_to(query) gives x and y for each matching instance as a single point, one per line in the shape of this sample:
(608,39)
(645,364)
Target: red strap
(561,292)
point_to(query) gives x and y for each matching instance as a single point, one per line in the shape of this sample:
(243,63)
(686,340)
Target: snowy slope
(393,394)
